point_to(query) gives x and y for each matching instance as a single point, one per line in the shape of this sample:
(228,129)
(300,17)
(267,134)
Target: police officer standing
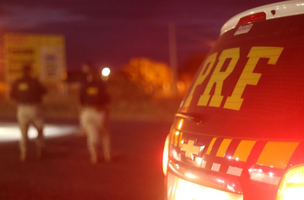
(94,115)
(28,93)
(85,69)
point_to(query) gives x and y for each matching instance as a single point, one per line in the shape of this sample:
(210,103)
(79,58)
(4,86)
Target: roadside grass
(128,101)
(67,107)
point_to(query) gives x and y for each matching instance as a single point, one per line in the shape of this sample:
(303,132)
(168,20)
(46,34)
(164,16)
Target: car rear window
(251,83)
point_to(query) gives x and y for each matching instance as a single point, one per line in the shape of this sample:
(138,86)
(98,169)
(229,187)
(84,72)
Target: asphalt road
(65,172)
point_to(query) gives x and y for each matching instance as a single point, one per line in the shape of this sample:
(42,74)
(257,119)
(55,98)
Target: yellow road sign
(46,54)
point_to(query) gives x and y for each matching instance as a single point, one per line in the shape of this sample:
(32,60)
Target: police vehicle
(239,132)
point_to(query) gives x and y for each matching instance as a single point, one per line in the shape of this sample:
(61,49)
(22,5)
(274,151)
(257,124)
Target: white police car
(239,132)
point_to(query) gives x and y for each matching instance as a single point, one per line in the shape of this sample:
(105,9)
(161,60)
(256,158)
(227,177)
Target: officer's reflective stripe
(243,150)
(210,146)
(223,148)
(277,154)
(234,171)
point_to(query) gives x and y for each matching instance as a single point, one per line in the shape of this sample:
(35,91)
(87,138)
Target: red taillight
(166,156)
(252,18)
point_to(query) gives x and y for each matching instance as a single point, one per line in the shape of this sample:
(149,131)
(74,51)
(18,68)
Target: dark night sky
(112,32)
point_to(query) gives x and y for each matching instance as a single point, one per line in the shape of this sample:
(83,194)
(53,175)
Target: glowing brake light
(252,18)
(166,156)
(292,185)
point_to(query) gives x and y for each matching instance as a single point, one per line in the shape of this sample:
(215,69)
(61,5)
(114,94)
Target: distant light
(106,71)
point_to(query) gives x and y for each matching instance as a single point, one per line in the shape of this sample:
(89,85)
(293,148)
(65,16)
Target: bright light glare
(106,71)
(294,193)
(296,176)
(189,191)
(166,155)
(189,175)
(292,185)
(180,124)
(11,131)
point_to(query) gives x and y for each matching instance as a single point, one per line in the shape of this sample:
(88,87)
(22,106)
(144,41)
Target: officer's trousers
(28,114)
(94,123)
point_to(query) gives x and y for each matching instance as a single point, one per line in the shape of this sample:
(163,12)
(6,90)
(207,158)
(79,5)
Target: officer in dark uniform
(85,69)
(28,93)
(94,117)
